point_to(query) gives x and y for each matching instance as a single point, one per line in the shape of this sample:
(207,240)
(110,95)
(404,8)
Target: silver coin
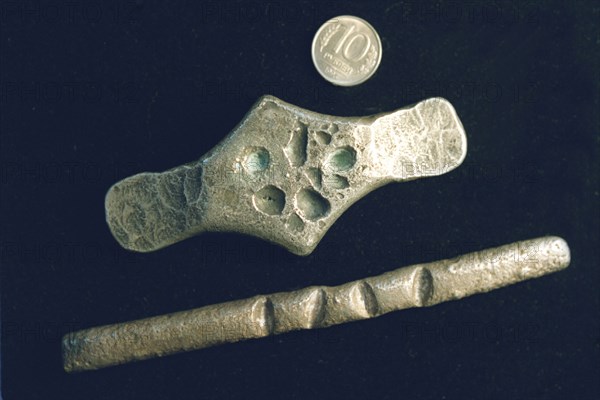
(346,50)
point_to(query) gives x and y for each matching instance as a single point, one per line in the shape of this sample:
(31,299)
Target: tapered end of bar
(538,257)
(149,211)
(70,354)
(557,252)
(445,126)
(426,139)
(491,269)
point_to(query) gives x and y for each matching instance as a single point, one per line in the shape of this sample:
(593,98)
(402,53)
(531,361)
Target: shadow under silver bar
(314,307)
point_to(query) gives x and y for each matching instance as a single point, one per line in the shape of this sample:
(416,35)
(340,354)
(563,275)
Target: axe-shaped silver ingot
(285,174)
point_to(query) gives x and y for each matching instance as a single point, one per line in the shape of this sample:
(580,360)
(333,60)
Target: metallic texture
(285,175)
(314,307)
(346,50)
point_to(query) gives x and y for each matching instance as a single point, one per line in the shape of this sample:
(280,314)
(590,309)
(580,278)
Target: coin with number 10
(346,50)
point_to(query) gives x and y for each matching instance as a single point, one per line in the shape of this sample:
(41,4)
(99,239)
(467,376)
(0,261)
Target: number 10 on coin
(346,50)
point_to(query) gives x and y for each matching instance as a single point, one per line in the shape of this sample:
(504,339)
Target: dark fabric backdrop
(93,92)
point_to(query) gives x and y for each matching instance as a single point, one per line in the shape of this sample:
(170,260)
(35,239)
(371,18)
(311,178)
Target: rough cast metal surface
(314,307)
(285,175)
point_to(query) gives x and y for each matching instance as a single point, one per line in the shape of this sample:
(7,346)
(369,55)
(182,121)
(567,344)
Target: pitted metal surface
(285,174)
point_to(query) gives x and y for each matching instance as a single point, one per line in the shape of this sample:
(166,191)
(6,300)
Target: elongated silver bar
(285,175)
(314,307)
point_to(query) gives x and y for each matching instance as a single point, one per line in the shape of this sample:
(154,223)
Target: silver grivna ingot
(285,174)
(420,285)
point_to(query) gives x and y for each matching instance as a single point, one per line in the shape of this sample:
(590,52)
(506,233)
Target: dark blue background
(94,92)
